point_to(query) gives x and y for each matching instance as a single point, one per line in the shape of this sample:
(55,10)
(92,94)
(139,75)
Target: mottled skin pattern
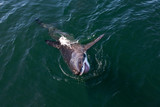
(74,54)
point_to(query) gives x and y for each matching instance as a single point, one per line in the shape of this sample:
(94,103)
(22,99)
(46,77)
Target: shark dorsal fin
(87,46)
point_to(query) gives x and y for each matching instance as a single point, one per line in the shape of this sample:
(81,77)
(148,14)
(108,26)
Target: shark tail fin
(87,46)
(52,30)
(38,21)
(47,26)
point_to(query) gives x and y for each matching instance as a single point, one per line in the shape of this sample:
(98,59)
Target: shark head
(79,63)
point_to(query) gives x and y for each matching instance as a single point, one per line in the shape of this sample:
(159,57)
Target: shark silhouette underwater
(74,53)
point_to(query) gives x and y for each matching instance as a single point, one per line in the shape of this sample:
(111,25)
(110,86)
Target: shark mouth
(86,66)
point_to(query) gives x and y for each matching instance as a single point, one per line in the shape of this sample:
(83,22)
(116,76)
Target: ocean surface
(125,64)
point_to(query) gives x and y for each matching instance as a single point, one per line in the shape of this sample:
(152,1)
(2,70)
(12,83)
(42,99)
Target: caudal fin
(38,21)
(47,26)
(54,32)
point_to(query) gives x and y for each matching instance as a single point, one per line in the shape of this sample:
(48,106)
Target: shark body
(74,53)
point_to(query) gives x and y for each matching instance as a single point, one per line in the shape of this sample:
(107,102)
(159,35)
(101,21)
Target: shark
(73,53)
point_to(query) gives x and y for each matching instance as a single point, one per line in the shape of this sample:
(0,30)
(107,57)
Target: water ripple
(7,15)
(14,8)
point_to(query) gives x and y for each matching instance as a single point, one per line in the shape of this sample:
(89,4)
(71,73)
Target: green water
(125,64)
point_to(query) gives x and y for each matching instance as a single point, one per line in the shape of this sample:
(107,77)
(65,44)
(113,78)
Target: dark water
(125,64)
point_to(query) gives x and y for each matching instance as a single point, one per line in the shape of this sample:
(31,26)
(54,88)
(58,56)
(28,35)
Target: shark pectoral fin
(87,46)
(53,43)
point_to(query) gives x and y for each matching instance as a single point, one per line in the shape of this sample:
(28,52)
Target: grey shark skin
(74,54)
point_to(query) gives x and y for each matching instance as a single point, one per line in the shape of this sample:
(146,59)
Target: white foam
(64,41)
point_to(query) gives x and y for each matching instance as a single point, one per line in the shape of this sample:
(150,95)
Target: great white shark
(74,53)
